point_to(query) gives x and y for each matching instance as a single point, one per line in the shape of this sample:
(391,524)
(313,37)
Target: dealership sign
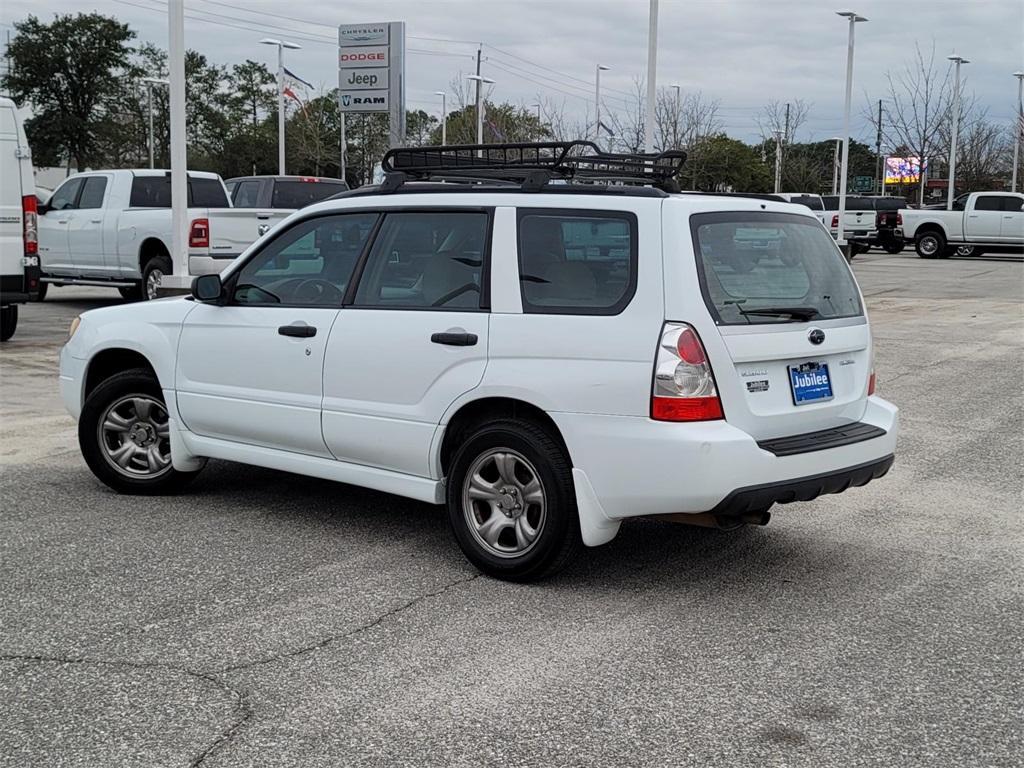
(371,72)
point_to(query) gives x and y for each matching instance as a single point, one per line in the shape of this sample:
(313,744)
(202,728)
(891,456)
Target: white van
(19,255)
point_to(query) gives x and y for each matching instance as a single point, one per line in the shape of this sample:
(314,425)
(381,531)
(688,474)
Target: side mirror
(41,207)
(207,288)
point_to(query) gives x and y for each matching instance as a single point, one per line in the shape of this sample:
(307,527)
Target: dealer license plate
(810,383)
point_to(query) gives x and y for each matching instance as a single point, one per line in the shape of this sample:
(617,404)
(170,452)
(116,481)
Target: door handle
(95,221)
(298,331)
(263,216)
(62,221)
(454,339)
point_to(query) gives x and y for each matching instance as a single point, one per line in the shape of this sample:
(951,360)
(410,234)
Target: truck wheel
(152,275)
(930,245)
(124,435)
(965,250)
(8,321)
(131,292)
(511,502)
(41,291)
(893,248)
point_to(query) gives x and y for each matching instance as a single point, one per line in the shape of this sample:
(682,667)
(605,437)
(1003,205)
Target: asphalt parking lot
(269,619)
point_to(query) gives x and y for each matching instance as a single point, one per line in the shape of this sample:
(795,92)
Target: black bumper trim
(759,497)
(857,432)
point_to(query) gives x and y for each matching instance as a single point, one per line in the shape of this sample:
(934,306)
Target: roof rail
(532,165)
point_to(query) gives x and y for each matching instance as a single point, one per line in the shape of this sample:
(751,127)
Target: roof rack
(531,165)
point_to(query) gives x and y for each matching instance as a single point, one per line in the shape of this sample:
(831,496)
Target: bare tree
(918,103)
(628,123)
(984,153)
(773,119)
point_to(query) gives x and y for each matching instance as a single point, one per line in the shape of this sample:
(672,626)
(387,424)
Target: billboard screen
(903,170)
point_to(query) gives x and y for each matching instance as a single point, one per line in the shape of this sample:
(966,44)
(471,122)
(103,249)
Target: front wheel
(124,434)
(130,292)
(8,321)
(511,501)
(930,245)
(893,248)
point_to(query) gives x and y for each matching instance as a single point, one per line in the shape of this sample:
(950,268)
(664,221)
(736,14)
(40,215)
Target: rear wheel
(511,501)
(41,291)
(124,434)
(8,321)
(893,248)
(153,275)
(131,292)
(930,244)
(966,250)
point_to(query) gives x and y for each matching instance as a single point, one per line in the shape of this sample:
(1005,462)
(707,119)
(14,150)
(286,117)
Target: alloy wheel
(134,436)
(504,503)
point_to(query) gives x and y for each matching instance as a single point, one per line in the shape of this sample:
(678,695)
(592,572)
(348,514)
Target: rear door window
(1012,204)
(759,267)
(298,194)
(989,203)
(155,192)
(247,194)
(92,192)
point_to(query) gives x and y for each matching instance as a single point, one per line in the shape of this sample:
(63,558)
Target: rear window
(298,194)
(757,267)
(890,203)
(155,192)
(811,201)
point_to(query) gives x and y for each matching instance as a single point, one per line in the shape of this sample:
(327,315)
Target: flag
(295,87)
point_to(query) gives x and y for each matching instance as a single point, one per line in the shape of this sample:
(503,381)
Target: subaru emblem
(816,336)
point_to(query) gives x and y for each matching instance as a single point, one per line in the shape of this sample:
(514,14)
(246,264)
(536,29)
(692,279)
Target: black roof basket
(531,165)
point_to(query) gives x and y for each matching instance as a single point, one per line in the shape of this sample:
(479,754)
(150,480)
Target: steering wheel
(316,290)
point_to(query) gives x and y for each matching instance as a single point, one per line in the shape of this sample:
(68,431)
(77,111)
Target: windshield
(758,267)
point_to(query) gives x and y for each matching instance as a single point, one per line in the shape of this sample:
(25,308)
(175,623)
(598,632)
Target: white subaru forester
(547,348)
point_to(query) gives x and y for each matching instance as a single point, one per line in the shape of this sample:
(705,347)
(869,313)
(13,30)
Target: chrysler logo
(816,336)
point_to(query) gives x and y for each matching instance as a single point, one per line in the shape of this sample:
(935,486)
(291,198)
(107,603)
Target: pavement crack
(350,633)
(241,698)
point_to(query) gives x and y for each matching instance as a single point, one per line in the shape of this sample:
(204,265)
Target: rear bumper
(639,467)
(760,497)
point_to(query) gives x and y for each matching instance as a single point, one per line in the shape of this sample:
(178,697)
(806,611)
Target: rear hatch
(795,349)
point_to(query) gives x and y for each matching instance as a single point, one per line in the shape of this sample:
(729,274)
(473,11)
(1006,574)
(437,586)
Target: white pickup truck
(979,221)
(113,228)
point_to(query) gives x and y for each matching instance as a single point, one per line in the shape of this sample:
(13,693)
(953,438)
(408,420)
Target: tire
(152,273)
(131,292)
(893,248)
(506,456)
(964,250)
(114,425)
(41,291)
(8,321)
(930,244)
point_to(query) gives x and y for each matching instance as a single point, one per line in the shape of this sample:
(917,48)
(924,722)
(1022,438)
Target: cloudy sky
(741,52)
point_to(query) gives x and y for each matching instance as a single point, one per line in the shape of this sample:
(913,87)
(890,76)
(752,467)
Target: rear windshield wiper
(797,313)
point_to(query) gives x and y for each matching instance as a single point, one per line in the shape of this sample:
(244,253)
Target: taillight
(899,219)
(199,234)
(835,221)
(30,217)
(684,387)
(871,383)
(309,179)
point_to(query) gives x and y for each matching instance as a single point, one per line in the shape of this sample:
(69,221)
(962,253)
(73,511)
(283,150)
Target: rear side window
(990,203)
(155,192)
(759,267)
(298,194)
(1012,204)
(247,194)
(577,262)
(92,192)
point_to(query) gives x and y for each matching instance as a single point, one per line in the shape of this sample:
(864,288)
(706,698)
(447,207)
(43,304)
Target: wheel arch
(113,360)
(150,248)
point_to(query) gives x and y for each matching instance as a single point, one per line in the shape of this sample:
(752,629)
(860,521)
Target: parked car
(979,221)
(113,228)
(889,223)
(281,192)
(859,222)
(19,258)
(810,200)
(545,360)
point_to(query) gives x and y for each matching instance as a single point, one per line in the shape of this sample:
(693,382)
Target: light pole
(958,60)
(480,80)
(844,167)
(835,164)
(778,161)
(1019,128)
(150,82)
(444,116)
(281,45)
(597,101)
(676,116)
(652,75)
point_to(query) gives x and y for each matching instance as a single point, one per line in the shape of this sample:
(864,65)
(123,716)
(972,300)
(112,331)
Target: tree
(918,103)
(252,105)
(984,152)
(722,164)
(69,71)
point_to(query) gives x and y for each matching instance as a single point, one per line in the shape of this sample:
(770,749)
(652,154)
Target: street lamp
(844,167)
(281,45)
(1019,128)
(778,161)
(958,60)
(150,82)
(444,116)
(835,163)
(479,80)
(597,102)
(676,115)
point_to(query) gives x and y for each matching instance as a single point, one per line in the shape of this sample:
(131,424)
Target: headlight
(74,326)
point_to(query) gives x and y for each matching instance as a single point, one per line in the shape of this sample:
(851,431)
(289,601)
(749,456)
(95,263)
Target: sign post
(371,73)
